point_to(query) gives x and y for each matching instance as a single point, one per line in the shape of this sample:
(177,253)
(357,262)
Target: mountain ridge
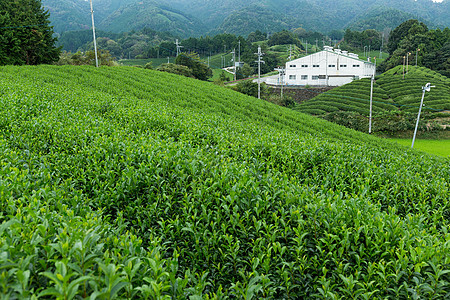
(201,17)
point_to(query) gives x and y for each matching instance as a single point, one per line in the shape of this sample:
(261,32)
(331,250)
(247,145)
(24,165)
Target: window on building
(343,66)
(331,66)
(355,66)
(322,77)
(304,66)
(292,77)
(315,77)
(292,66)
(304,77)
(315,66)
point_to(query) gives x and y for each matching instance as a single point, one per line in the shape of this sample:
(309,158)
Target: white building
(327,68)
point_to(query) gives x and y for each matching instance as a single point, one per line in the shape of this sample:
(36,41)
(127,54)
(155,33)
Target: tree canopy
(412,39)
(191,60)
(26,36)
(283,37)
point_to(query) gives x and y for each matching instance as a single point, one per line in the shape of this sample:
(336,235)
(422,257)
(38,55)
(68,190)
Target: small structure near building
(327,68)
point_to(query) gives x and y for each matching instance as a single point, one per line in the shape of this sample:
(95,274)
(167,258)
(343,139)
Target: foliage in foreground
(131,183)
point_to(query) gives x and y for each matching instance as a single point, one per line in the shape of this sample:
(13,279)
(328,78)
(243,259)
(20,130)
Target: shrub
(175,69)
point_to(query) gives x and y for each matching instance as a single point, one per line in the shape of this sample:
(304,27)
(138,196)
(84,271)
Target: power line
(25,26)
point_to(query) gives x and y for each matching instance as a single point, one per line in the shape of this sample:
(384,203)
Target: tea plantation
(126,183)
(391,93)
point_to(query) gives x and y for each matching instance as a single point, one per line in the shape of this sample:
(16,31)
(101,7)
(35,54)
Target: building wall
(338,68)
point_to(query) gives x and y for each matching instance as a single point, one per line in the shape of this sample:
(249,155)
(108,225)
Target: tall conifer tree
(26,36)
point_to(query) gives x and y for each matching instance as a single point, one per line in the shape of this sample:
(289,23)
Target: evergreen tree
(26,36)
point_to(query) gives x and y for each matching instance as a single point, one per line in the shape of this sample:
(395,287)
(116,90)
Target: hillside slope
(391,93)
(154,15)
(200,17)
(407,92)
(131,183)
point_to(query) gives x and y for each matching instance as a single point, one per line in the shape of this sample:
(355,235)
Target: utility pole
(404,67)
(259,61)
(417,50)
(425,88)
(371,96)
(326,66)
(93,33)
(239,53)
(382,40)
(178,47)
(290,52)
(316,44)
(282,72)
(234,62)
(407,55)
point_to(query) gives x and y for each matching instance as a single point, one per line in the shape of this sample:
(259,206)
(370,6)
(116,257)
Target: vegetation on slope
(152,14)
(354,96)
(131,183)
(380,18)
(395,101)
(223,16)
(406,93)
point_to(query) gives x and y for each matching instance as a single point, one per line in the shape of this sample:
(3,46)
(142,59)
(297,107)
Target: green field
(215,61)
(127,183)
(141,62)
(217,72)
(437,147)
(372,54)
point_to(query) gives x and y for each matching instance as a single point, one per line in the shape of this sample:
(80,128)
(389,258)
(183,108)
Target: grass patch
(141,62)
(217,72)
(436,147)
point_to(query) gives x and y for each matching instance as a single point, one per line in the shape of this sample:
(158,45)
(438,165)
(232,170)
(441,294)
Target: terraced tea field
(391,93)
(126,183)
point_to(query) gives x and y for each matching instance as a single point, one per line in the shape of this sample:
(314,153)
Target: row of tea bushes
(130,183)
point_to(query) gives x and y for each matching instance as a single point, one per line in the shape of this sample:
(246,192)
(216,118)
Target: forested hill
(199,17)
(121,16)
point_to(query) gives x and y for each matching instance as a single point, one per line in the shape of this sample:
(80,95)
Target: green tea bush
(392,93)
(130,183)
